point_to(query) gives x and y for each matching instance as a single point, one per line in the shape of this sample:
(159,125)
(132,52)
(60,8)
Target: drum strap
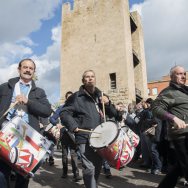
(96,101)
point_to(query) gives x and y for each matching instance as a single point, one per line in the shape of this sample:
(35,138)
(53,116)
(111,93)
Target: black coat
(38,105)
(80,111)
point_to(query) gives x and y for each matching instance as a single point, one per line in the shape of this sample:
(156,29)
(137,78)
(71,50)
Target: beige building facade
(104,36)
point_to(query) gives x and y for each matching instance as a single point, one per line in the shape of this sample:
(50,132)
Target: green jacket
(172,101)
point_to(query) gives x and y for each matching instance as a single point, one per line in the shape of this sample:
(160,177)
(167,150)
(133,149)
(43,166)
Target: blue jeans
(106,166)
(91,163)
(156,162)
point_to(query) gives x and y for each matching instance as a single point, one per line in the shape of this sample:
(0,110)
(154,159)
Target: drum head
(104,134)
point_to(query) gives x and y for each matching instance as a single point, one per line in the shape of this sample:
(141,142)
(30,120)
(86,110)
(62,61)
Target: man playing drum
(83,110)
(29,102)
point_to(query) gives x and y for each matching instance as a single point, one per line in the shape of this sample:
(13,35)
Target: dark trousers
(21,182)
(181,168)
(91,163)
(74,160)
(6,171)
(167,154)
(3,182)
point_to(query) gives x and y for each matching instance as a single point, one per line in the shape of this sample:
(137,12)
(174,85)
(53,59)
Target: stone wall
(96,34)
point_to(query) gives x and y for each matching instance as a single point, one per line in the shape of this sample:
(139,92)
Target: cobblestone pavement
(129,177)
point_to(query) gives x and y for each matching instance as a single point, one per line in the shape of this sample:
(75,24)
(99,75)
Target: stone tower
(103,36)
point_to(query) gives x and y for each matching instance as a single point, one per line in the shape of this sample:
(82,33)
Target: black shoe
(51,161)
(64,176)
(77,178)
(108,174)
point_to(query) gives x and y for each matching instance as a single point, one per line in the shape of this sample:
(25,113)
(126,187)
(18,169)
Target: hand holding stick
(11,106)
(89,131)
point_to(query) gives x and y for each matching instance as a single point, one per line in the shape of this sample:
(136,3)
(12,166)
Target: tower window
(113,80)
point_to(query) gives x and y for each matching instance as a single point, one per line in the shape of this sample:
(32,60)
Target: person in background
(145,117)
(67,144)
(153,139)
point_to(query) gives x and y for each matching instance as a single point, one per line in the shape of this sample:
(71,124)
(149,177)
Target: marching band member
(83,110)
(31,103)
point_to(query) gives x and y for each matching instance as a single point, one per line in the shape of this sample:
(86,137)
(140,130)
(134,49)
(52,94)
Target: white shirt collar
(21,81)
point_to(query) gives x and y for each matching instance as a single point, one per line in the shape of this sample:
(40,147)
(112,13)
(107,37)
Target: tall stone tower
(103,36)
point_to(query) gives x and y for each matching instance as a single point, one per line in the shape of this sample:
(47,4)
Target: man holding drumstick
(20,96)
(85,110)
(172,105)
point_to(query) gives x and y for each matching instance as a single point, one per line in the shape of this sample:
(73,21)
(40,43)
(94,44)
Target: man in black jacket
(172,105)
(83,110)
(31,103)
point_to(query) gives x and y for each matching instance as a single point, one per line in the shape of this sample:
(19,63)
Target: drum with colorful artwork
(112,143)
(134,138)
(22,147)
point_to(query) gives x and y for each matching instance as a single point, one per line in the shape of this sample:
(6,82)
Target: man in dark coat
(31,103)
(172,105)
(83,110)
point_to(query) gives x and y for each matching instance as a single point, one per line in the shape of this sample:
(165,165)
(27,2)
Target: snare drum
(112,143)
(22,147)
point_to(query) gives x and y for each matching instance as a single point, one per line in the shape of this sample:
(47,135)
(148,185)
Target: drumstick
(103,108)
(11,106)
(89,131)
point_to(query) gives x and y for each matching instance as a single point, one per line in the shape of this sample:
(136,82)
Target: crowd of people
(160,123)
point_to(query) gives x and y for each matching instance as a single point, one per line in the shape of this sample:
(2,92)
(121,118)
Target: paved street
(130,177)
